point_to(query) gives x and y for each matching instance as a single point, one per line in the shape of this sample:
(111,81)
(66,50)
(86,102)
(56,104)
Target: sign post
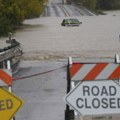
(69,114)
(95,97)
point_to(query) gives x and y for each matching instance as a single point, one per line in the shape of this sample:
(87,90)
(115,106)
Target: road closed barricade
(9,103)
(92,89)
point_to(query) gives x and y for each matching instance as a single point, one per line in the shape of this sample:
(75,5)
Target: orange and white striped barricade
(77,72)
(6,77)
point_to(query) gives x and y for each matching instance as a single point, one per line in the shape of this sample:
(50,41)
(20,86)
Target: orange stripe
(115,74)
(75,68)
(95,71)
(5,77)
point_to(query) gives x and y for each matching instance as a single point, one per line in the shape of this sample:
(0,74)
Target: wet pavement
(42,94)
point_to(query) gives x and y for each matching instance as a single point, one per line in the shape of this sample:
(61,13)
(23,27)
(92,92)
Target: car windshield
(71,21)
(74,21)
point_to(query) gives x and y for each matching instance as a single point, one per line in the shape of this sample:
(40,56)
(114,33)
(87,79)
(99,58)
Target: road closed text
(6,104)
(98,97)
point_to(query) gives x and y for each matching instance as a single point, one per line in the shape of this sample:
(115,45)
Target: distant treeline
(100,4)
(14,12)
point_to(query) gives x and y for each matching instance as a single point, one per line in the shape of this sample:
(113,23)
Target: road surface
(42,94)
(60,10)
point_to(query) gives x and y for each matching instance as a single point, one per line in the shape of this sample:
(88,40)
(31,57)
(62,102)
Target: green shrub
(13,13)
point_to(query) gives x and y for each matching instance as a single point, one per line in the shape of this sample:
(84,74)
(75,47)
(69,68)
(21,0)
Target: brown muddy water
(44,38)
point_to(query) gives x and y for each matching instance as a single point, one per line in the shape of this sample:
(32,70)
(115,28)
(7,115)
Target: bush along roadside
(14,12)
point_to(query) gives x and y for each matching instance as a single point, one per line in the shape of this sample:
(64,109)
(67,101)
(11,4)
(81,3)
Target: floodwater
(47,45)
(44,38)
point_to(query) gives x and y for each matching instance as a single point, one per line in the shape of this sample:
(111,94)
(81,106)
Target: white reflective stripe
(7,71)
(107,71)
(72,85)
(84,70)
(2,83)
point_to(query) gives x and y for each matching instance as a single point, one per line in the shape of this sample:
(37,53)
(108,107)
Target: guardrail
(13,52)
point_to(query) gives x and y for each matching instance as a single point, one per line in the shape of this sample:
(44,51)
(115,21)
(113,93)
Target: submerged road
(44,39)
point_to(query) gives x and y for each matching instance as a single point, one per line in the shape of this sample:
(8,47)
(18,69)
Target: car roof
(71,19)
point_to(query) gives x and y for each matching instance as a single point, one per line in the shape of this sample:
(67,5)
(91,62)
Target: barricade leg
(69,114)
(72,86)
(10,87)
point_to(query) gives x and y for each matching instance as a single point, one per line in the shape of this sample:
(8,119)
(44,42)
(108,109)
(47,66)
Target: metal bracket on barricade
(81,73)
(117,60)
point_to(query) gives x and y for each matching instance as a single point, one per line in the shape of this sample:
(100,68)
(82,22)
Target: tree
(32,8)
(108,4)
(14,12)
(10,16)
(91,4)
(100,4)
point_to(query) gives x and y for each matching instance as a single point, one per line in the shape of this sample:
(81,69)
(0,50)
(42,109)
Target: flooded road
(47,46)
(45,38)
